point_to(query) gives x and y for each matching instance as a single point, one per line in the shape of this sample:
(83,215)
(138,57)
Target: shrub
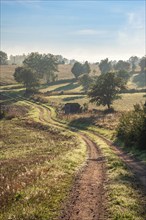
(132,127)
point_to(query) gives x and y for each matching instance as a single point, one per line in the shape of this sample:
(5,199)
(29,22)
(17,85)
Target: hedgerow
(132,127)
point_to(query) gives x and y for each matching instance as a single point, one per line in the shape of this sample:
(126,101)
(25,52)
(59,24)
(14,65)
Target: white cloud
(131,37)
(136,20)
(87,32)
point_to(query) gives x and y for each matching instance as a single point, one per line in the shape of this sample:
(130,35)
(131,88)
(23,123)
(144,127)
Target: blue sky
(84,30)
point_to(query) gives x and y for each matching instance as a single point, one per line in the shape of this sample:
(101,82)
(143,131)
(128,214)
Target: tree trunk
(108,105)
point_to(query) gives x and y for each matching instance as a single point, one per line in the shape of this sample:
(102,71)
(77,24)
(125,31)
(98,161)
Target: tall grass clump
(132,127)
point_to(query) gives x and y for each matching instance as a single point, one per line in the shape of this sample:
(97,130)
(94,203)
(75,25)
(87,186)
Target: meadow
(40,156)
(38,163)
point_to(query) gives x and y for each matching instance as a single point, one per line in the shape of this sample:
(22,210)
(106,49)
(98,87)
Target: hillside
(137,81)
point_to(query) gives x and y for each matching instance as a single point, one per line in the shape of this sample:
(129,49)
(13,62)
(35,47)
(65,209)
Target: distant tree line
(18,59)
(121,65)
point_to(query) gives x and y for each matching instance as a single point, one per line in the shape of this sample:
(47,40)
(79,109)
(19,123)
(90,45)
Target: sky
(81,30)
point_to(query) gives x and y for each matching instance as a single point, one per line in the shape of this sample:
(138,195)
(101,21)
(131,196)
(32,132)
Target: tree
(77,69)
(122,65)
(44,65)
(124,75)
(105,66)
(86,81)
(86,67)
(142,64)
(51,66)
(3,58)
(132,127)
(133,61)
(27,77)
(106,89)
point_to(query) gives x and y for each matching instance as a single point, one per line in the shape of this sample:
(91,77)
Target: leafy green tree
(122,65)
(86,67)
(106,89)
(124,75)
(86,81)
(105,66)
(134,61)
(44,65)
(77,69)
(34,61)
(3,58)
(51,67)
(132,127)
(27,77)
(142,64)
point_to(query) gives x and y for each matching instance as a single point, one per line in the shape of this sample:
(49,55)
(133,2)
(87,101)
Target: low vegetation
(132,128)
(124,200)
(39,159)
(37,169)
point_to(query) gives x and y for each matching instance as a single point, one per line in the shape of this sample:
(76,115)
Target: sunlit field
(124,104)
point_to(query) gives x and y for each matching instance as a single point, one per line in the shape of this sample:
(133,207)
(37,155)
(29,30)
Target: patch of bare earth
(137,167)
(87,197)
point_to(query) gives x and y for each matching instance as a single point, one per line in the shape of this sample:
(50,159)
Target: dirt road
(137,167)
(87,200)
(87,197)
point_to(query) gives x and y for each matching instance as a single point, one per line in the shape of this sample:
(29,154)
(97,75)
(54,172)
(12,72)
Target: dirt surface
(87,200)
(87,197)
(137,167)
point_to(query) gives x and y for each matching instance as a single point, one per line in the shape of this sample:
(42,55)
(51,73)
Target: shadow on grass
(11,96)
(82,123)
(70,86)
(12,88)
(43,86)
(140,79)
(73,98)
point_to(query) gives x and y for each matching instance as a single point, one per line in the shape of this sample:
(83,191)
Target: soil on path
(87,197)
(137,167)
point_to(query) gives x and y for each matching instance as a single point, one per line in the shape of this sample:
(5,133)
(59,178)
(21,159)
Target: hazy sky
(84,30)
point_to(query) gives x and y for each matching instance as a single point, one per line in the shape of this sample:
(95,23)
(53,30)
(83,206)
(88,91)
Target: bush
(132,128)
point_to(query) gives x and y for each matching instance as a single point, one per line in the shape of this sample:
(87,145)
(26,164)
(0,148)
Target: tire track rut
(87,197)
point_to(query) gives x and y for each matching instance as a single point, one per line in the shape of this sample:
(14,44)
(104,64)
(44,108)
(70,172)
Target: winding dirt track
(134,165)
(87,197)
(137,167)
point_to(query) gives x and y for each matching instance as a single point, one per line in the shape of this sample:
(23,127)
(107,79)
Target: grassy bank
(38,164)
(125,200)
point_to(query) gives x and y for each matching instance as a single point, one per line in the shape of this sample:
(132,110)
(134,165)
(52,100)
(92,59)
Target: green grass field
(37,169)
(124,104)
(38,159)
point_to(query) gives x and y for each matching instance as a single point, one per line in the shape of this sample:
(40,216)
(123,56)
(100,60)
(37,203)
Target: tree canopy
(27,77)
(86,67)
(3,58)
(142,64)
(86,81)
(134,61)
(106,89)
(44,65)
(105,66)
(124,75)
(77,69)
(122,65)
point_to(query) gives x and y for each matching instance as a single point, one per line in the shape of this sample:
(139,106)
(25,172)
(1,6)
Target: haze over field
(84,30)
